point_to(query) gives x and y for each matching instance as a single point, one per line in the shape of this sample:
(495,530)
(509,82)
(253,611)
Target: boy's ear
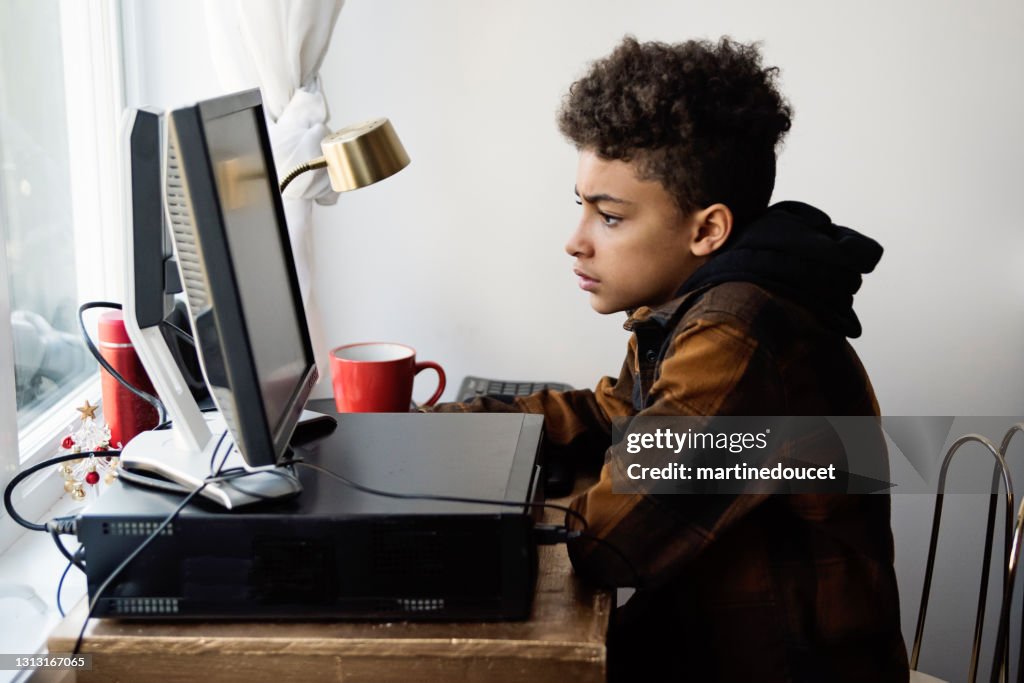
(711,229)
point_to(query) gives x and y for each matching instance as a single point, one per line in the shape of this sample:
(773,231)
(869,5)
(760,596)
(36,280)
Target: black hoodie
(796,251)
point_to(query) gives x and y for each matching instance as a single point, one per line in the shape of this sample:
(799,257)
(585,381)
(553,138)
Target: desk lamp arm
(312,165)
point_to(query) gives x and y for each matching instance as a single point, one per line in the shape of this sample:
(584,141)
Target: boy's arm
(712,369)
(581,415)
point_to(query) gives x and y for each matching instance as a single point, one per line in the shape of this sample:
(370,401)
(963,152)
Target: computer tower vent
(179,213)
(399,552)
(142,606)
(421,604)
(295,570)
(129,528)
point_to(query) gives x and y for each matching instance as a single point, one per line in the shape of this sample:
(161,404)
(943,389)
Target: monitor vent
(226,405)
(182,228)
(142,606)
(190,263)
(119,528)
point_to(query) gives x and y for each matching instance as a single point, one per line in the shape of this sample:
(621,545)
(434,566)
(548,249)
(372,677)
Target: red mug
(376,377)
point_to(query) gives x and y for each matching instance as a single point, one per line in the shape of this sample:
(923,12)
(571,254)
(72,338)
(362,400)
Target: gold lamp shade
(357,156)
(363,153)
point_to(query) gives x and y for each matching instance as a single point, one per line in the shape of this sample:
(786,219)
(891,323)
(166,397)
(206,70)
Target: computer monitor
(233,252)
(154,284)
(152,275)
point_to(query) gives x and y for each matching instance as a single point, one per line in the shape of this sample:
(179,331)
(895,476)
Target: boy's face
(633,246)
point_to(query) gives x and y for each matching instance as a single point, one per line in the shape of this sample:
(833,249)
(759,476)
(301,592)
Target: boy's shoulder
(743,301)
(752,310)
(749,308)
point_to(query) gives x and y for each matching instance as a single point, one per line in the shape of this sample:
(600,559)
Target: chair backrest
(1000,472)
(1009,580)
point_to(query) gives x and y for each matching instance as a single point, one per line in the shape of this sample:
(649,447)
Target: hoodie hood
(796,251)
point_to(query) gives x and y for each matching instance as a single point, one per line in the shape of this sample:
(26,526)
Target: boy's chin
(605,307)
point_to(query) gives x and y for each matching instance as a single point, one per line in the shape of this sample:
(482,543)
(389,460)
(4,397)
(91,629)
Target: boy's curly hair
(701,118)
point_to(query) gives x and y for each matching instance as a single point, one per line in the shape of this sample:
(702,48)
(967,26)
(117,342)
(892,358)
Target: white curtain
(279,45)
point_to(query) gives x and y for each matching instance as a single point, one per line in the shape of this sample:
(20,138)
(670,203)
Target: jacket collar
(662,315)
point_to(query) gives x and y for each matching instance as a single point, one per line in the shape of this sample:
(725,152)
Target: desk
(564,640)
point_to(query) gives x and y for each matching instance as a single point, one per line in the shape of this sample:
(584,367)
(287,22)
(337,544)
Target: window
(60,212)
(38,231)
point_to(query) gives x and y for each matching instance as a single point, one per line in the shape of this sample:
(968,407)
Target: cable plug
(551,534)
(63,525)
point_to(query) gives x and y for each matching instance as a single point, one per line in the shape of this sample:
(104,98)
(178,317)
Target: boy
(736,308)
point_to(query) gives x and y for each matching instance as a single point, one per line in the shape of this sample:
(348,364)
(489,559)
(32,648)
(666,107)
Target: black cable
(229,476)
(449,499)
(255,494)
(76,561)
(216,449)
(135,553)
(24,474)
(60,585)
(55,534)
(637,581)
(217,476)
(564,534)
(178,332)
(148,398)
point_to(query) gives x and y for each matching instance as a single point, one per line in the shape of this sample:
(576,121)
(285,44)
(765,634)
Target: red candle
(126,414)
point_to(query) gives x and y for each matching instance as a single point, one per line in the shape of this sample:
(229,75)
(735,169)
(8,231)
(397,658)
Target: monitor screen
(234,255)
(274,325)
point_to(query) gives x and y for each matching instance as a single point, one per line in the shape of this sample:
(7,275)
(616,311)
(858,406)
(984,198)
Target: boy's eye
(606,218)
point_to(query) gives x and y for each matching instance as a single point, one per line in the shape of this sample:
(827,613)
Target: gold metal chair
(1002,651)
(1000,472)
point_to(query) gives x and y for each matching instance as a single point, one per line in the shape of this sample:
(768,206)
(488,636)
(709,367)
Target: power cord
(148,398)
(142,546)
(178,332)
(60,585)
(24,474)
(545,534)
(135,553)
(553,534)
(215,476)
(55,534)
(449,499)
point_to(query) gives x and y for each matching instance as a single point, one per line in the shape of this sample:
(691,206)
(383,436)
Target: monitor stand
(156,457)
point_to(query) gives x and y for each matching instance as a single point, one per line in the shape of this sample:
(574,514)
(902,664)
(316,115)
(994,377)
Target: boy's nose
(578,244)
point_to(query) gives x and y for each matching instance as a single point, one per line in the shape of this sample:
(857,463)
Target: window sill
(43,490)
(30,570)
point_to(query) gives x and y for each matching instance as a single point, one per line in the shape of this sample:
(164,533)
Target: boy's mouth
(586,282)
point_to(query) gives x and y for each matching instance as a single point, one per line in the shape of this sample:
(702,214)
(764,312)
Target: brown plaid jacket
(734,588)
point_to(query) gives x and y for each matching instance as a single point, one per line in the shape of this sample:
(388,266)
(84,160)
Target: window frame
(94,79)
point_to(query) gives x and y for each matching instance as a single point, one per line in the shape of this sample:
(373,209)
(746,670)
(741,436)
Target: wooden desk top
(564,640)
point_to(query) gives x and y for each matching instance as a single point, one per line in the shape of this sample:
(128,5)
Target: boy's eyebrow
(595,198)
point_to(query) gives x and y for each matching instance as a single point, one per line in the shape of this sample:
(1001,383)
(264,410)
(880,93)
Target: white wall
(907,127)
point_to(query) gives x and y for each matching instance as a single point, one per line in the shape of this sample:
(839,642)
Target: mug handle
(440,377)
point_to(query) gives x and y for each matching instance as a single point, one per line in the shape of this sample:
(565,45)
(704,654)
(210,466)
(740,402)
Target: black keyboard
(503,390)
